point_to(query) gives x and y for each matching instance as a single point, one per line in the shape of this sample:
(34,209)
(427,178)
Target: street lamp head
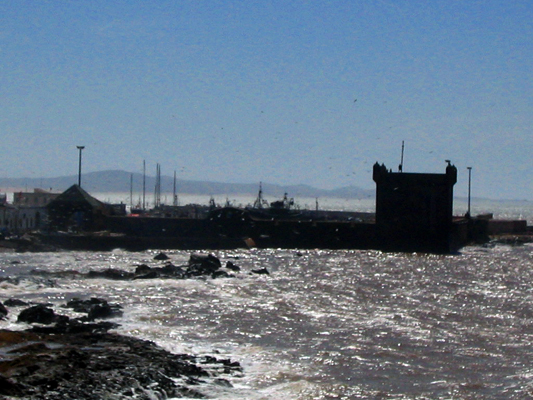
(80,147)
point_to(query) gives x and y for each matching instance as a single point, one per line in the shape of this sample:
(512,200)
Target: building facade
(414,209)
(27,212)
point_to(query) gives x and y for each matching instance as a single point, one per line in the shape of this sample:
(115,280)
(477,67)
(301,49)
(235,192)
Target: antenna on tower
(400,167)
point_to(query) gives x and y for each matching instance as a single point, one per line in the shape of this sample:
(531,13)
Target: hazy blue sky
(283,92)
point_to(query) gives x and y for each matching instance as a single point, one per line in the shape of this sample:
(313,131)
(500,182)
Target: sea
(323,324)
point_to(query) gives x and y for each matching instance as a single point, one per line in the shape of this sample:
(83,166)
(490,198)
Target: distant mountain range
(122,181)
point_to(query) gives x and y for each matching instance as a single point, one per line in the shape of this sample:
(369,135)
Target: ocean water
(323,324)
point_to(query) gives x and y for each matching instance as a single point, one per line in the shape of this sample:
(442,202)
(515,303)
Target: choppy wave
(322,324)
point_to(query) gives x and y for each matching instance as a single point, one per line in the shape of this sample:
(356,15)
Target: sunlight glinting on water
(351,324)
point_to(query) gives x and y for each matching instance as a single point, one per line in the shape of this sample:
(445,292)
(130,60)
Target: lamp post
(80,148)
(469,188)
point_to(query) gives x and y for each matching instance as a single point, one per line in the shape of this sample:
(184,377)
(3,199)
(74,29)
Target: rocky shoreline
(96,365)
(77,358)
(63,357)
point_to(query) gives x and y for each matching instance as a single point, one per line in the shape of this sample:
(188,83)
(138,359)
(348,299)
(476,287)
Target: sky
(284,92)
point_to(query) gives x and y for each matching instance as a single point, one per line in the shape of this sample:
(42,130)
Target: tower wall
(414,208)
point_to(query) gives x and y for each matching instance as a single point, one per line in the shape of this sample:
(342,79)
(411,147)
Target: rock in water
(3,311)
(261,271)
(161,257)
(100,311)
(142,269)
(232,266)
(203,265)
(14,303)
(111,273)
(37,314)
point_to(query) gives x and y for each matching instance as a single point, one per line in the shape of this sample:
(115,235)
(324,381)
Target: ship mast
(258,203)
(144,185)
(131,191)
(157,193)
(400,168)
(175,196)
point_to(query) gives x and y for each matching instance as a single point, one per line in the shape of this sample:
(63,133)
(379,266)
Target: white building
(28,211)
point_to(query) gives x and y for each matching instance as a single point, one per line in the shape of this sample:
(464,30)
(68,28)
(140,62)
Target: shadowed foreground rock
(101,366)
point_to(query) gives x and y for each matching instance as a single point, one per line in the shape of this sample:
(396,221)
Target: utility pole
(469,189)
(80,148)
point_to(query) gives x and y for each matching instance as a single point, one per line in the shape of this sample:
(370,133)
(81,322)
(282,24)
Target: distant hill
(119,181)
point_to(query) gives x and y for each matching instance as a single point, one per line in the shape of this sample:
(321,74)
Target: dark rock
(142,269)
(111,273)
(261,271)
(161,257)
(10,388)
(203,265)
(221,274)
(207,360)
(84,306)
(95,308)
(230,365)
(14,303)
(61,319)
(101,311)
(10,280)
(74,327)
(168,271)
(172,270)
(37,314)
(90,366)
(233,267)
(148,275)
(3,311)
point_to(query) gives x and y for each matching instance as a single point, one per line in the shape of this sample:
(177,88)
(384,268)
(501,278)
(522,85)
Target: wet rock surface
(3,311)
(38,314)
(101,366)
(198,266)
(77,358)
(261,271)
(512,240)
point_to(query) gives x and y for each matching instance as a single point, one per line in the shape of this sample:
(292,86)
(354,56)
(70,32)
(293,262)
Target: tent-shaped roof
(75,194)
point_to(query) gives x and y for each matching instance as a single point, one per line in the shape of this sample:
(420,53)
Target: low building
(26,213)
(8,219)
(30,210)
(77,210)
(37,198)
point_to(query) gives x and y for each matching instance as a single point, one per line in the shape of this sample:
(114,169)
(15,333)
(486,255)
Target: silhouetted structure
(413,214)
(75,209)
(414,210)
